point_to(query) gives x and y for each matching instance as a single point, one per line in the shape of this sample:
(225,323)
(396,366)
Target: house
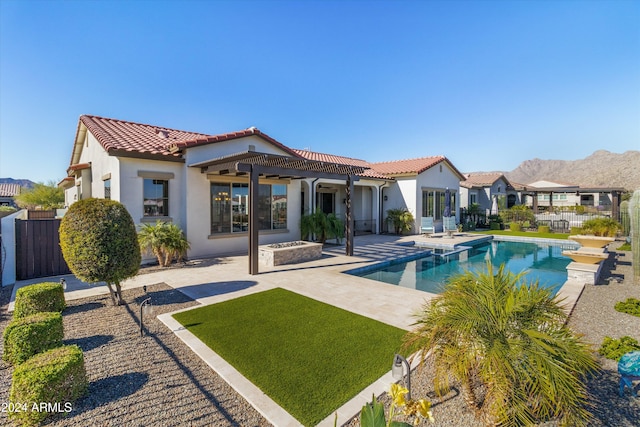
(548,194)
(205,183)
(482,188)
(7,194)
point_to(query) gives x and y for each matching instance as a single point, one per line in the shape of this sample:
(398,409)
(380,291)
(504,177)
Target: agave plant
(506,342)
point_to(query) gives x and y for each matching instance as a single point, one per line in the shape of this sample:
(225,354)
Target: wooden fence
(38,252)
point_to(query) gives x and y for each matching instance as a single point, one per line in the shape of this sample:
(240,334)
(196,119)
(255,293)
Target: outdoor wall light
(144,288)
(145,309)
(397,372)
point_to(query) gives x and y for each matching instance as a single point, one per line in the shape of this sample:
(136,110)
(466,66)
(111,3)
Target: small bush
(30,335)
(514,226)
(614,349)
(606,227)
(630,306)
(576,230)
(544,229)
(38,298)
(54,378)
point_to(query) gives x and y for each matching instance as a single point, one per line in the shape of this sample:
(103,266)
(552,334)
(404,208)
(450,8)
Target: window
(473,198)
(156,197)
(433,203)
(107,189)
(230,207)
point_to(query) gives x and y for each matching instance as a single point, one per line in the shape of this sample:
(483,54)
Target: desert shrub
(30,335)
(576,230)
(630,306)
(56,377)
(41,297)
(514,226)
(614,349)
(100,244)
(606,227)
(544,229)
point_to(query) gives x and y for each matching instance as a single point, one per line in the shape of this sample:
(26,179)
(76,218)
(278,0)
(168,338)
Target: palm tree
(507,344)
(165,240)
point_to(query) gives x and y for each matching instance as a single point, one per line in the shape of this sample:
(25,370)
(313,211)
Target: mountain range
(601,169)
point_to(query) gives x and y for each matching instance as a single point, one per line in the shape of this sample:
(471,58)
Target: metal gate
(38,252)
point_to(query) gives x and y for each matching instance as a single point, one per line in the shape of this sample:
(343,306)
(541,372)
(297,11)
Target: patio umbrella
(447,203)
(494,206)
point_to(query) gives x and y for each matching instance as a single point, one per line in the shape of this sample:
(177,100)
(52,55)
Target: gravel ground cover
(153,380)
(156,380)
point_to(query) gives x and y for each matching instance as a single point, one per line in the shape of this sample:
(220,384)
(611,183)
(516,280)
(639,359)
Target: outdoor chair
(426,225)
(449,224)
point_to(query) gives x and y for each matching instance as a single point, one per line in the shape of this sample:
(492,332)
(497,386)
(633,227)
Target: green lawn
(308,356)
(525,234)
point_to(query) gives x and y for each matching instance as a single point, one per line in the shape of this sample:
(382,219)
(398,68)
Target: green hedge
(26,336)
(544,229)
(614,349)
(514,226)
(47,296)
(576,230)
(47,383)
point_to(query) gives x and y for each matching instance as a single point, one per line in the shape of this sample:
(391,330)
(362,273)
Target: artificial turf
(308,356)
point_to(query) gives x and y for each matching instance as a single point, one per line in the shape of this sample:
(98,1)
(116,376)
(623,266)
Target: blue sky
(488,84)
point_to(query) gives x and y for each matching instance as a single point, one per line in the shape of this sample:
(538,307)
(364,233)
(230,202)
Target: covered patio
(258,165)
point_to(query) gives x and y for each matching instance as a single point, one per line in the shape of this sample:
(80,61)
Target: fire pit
(289,253)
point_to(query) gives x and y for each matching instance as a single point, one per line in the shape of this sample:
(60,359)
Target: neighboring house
(8,193)
(547,194)
(482,188)
(203,182)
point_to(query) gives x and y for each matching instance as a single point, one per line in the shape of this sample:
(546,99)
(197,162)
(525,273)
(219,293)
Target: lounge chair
(426,225)
(449,224)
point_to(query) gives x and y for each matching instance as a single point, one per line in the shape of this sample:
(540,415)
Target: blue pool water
(542,262)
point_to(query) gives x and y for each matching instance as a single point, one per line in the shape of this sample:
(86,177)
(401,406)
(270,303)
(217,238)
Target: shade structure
(254,165)
(447,203)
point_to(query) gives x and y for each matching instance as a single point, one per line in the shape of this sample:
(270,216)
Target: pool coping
(568,294)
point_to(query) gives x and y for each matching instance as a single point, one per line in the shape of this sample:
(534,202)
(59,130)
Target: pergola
(256,165)
(614,192)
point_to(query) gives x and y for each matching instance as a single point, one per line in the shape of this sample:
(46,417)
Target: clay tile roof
(120,135)
(411,166)
(209,139)
(482,179)
(332,158)
(9,190)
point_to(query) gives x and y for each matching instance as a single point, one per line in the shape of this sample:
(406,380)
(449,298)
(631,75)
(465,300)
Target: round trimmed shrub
(38,298)
(27,336)
(514,226)
(99,242)
(55,378)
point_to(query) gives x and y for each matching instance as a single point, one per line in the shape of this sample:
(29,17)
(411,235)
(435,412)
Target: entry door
(326,202)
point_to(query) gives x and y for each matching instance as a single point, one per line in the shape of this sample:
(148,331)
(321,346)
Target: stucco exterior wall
(89,182)
(198,199)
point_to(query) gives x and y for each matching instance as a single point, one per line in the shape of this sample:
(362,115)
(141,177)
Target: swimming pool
(542,261)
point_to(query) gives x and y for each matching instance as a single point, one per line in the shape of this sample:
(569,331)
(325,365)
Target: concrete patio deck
(226,278)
